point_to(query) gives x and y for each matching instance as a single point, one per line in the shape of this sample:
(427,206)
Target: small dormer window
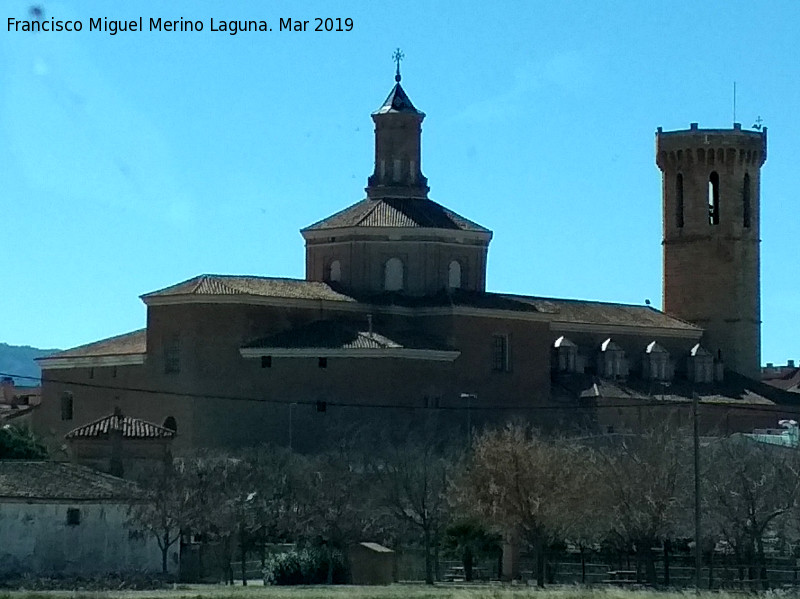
(565,355)
(393,275)
(655,364)
(454,275)
(700,365)
(611,360)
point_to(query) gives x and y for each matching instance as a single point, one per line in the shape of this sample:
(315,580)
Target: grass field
(397,591)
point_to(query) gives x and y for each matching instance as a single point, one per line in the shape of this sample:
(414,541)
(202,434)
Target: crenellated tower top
(711,223)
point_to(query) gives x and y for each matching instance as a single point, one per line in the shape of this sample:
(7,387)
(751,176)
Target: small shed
(371,563)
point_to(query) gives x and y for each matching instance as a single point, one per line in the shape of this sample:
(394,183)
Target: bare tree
(748,489)
(414,479)
(331,503)
(642,486)
(517,480)
(166,505)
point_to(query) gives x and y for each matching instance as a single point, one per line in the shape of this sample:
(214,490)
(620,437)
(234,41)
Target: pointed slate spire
(398,101)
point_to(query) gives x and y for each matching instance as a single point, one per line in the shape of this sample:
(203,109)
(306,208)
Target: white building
(58,518)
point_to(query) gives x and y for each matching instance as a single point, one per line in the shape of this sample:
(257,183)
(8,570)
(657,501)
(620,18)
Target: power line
(345,404)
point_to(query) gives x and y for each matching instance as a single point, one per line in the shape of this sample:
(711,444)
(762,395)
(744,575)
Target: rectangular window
(172,355)
(66,406)
(91,373)
(323,363)
(266,361)
(500,353)
(73,516)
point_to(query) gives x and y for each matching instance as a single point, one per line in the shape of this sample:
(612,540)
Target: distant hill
(19,360)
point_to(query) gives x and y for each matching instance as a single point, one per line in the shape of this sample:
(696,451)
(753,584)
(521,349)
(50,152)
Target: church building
(393,320)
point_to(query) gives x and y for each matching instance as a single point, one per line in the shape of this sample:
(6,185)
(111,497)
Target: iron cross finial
(397,57)
(759,124)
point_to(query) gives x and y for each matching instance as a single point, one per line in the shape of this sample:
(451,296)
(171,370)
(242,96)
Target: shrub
(304,566)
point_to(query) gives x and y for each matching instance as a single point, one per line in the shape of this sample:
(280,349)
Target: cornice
(327,352)
(409,233)
(56,363)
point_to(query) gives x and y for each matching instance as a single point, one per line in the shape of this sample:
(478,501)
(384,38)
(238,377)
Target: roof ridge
(75,430)
(200,280)
(376,204)
(232,289)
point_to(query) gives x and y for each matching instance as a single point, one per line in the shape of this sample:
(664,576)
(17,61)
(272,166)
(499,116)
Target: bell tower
(711,223)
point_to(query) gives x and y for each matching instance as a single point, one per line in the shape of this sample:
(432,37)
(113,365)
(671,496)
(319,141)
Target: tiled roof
(336,334)
(121,345)
(397,212)
(585,311)
(23,479)
(249,285)
(788,379)
(397,101)
(8,412)
(733,390)
(562,310)
(132,428)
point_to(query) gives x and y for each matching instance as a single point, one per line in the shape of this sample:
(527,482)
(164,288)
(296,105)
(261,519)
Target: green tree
(18,443)
(470,541)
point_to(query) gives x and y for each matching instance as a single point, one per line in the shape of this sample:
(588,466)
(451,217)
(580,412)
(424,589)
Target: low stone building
(120,445)
(64,519)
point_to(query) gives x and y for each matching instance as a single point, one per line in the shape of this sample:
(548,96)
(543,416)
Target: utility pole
(698,562)
(291,406)
(469,397)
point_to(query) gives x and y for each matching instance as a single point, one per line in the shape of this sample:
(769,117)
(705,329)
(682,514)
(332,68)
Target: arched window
(393,275)
(679,200)
(454,275)
(713,198)
(171,424)
(746,201)
(335,271)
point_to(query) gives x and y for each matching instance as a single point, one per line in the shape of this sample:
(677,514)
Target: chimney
(790,363)
(115,432)
(719,368)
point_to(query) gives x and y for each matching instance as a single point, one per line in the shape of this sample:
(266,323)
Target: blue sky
(132,162)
